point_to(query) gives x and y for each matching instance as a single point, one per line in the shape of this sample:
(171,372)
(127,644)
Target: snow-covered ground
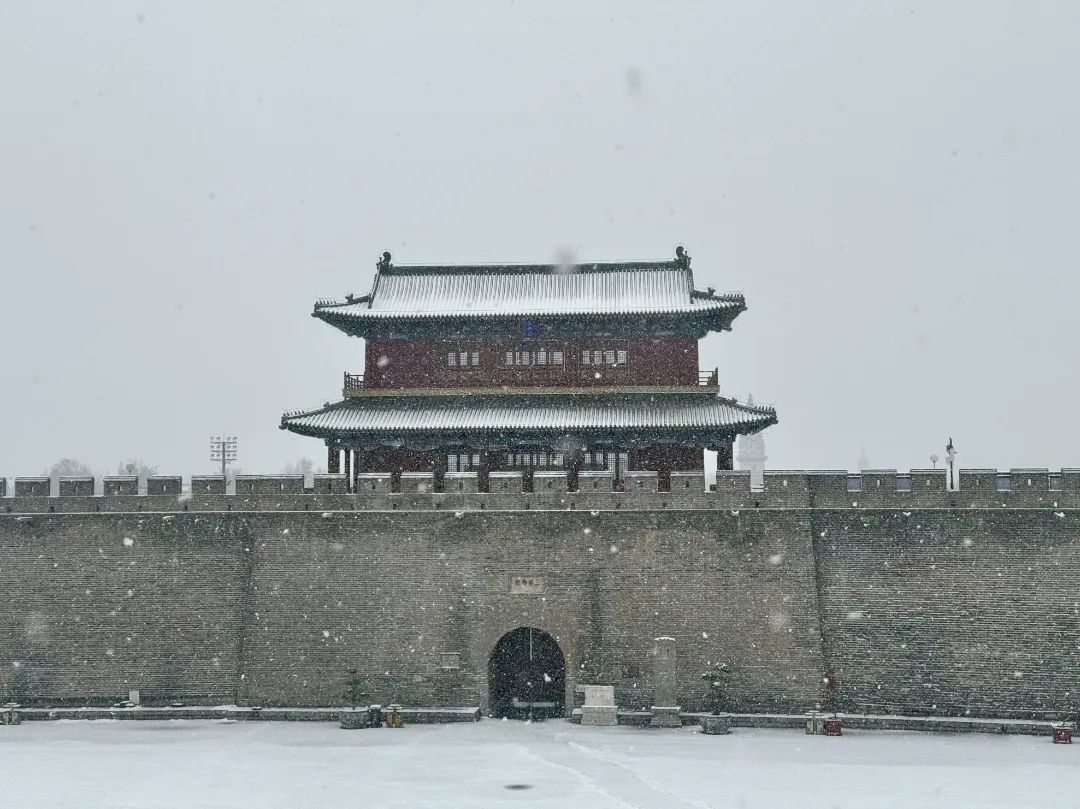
(95,764)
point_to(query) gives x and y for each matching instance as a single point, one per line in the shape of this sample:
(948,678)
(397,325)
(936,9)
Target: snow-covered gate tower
(531,367)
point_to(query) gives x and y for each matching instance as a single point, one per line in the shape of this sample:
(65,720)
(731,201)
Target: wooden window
(523,357)
(620,357)
(609,357)
(585,357)
(462,359)
(598,358)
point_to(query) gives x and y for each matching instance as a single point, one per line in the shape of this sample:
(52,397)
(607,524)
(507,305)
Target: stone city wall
(915,599)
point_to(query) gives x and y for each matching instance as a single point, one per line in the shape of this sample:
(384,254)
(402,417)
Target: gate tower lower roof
(636,417)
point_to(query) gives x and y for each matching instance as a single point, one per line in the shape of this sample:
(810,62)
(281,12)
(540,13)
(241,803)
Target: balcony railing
(705,379)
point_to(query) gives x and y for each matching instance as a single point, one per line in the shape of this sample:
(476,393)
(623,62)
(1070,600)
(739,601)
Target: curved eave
(372,323)
(629,419)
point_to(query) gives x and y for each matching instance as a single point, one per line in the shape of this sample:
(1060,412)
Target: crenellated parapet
(512,491)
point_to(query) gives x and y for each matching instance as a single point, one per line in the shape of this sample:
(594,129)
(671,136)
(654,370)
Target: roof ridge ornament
(384,261)
(682,258)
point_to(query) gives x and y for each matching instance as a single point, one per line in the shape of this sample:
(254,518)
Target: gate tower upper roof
(502,291)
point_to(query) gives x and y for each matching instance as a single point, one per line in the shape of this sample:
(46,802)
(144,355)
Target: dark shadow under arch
(526,676)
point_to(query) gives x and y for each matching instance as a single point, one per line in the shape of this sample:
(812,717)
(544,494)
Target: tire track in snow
(632,790)
(670,798)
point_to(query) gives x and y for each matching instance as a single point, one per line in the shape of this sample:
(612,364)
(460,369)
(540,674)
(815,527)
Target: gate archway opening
(526,676)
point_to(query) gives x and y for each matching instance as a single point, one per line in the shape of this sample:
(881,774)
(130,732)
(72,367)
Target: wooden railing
(704,379)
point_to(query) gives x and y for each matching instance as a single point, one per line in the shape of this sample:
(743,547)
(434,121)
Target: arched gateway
(526,675)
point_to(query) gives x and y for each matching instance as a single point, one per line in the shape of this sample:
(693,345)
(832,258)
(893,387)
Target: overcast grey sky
(894,186)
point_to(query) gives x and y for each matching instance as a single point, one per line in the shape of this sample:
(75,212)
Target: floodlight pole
(223,448)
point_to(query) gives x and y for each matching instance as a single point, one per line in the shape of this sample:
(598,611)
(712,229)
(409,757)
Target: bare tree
(139,468)
(305,467)
(66,467)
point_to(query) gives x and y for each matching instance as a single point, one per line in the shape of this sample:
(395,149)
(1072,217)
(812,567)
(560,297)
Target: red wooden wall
(423,363)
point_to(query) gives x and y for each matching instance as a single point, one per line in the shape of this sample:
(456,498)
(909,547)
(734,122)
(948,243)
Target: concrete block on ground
(599,706)
(716,724)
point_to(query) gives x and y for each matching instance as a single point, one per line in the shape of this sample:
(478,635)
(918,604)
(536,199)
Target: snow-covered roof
(531,413)
(532,290)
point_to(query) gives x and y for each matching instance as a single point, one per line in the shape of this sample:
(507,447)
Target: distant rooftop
(410,292)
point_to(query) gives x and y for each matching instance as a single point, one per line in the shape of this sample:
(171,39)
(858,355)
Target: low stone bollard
(716,725)
(599,705)
(9,714)
(1062,732)
(394,717)
(815,723)
(354,718)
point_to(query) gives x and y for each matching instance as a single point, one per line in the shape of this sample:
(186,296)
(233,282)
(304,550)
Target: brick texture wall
(969,610)
(95,605)
(952,611)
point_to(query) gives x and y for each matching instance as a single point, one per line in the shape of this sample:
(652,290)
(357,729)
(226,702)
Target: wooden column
(333,460)
(482,472)
(438,470)
(575,459)
(348,471)
(724,457)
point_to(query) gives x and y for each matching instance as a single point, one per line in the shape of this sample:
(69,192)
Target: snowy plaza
(92,764)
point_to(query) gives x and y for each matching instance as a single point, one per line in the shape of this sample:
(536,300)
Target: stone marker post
(599,707)
(665,713)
